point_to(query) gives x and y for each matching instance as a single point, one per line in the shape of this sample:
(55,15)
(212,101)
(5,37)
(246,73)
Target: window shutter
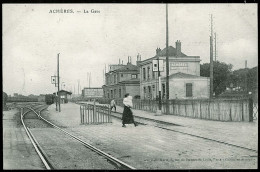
(188,90)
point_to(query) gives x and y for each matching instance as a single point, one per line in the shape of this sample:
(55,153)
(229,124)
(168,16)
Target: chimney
(138,59)
(158,50)
(129,60)
(119,62)
(246,64)
(178,48)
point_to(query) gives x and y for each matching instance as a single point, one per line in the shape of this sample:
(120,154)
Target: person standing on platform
(128,117)
(113,104)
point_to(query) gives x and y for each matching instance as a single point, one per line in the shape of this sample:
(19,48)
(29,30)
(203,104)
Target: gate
(95,114)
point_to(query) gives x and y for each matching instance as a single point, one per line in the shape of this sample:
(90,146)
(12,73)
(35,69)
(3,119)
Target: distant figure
(128,117)
(113,104)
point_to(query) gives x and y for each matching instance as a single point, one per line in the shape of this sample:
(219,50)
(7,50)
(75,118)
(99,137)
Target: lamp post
(167,64)
(159,111)
(58,80)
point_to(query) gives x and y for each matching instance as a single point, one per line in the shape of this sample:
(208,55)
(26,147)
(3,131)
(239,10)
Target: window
(114,93)
(148,72)
(153,73)
(144,90)
(189,90)
(153,88)
(144,73)
(111,93)
(122,75)
(114,78)
(134,76)
(120,93)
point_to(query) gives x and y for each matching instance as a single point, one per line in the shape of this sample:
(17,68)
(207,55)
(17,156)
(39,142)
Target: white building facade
(185,81)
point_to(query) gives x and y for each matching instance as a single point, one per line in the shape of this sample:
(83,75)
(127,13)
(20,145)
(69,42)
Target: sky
(32,37)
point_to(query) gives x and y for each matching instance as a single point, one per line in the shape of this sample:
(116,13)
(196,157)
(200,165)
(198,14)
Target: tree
(247,79)
(221,75)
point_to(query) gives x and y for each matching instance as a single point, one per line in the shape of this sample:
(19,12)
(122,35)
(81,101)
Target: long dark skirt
(127,117)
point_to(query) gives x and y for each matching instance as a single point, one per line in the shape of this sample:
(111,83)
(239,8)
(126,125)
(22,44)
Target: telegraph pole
(211,61)
(246,87)
(159,112)
(215,47)
(78,87)
(167,63)
(58,80)
(89,78)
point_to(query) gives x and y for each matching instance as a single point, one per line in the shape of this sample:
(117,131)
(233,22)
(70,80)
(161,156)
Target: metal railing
(95,114)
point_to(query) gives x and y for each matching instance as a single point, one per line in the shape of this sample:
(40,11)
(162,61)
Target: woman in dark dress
(128,117)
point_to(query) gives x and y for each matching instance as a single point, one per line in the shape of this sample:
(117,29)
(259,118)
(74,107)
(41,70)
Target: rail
(34,142)
(120,164)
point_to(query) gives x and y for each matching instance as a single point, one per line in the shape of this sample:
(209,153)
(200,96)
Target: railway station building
(185,81)
(64,96)
(122,79)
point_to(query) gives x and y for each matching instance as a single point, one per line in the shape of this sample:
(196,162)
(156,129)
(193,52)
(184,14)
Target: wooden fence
(210,109)
(95,114)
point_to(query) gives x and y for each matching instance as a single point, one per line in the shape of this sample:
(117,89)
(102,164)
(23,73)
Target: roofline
(92,88)
(123,82)
(129,81)
(186,58)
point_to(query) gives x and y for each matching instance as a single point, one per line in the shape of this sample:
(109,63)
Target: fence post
(80,114)
(200,109)
(94,111)
(83,114)
(109,113)
(230,111)
(242,102)
(88,114)
(251,109)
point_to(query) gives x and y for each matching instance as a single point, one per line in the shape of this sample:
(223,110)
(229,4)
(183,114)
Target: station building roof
(128,67)
(63,91)
(171,52)
(183,75)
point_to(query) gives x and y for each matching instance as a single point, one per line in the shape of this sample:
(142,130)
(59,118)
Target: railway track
(118,164)
(156,122)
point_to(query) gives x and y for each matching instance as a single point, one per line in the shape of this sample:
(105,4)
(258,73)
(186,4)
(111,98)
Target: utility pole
(246,80)
(215,47)
(78,87)
(211,61)
(167,64)
(159,87)
(89,78)
(58,71)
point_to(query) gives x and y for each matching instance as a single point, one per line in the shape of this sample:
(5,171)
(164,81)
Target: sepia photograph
(129,86)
